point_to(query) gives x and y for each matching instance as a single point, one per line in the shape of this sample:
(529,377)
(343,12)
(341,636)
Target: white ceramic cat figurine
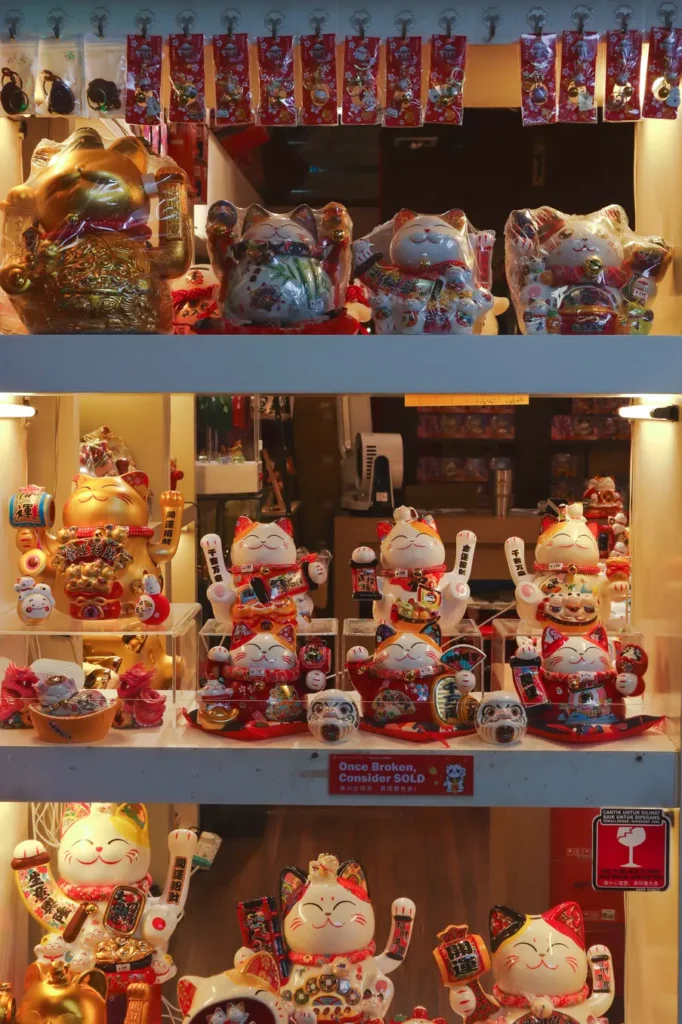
(104,846)
(247,992)
(268,551)
(432,282)
(540,969)
(569,586)
(329,929)
(412,554)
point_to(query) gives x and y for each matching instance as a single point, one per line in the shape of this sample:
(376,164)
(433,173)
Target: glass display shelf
(60,624)
(500,364)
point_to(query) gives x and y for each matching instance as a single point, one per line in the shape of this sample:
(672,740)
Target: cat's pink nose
(98,849)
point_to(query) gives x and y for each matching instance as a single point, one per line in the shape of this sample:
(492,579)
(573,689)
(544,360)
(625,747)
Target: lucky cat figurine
(601,499)
(328,925)
(265,551)
(541,971)
(258,689)
(97,562)
(411,687)
(58,993)
(412,554)
(576,693)
(77,233)
(282,272)
(569,586)
(586,274)
(103,861)
(17,693)
(436,279)
(249,992)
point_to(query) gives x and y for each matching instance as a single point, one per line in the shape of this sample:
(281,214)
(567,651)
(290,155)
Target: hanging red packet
(662,89)
(403,82)
(446,80)
(360,101)
(577,96)
(623,61)
(538,78)
(187,78)
(320,93)
(143,81)
(276,77)
(232,79)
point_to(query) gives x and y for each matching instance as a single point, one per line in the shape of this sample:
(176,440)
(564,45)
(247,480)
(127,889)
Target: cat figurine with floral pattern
(328,923)
(541,971)
(249,991)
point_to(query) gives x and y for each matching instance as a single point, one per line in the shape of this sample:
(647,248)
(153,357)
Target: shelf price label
(441,400)
(402,775)
(631,849)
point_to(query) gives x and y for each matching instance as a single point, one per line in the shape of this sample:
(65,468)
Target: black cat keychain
(12,96)
(103,96)
(60,98)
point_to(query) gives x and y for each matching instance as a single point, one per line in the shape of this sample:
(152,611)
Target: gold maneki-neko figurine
(77,233)
(97,563)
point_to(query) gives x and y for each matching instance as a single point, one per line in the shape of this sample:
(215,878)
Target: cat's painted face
(100,501)
(329,918)
(263,543)
(581,239)
(411,544)
(248,994)
(104,847)
(569,541)
(423,241)
(406,652)
(540,960)
(577,654)
(264,652)
(274,228)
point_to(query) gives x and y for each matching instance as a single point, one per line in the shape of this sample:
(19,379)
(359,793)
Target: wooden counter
(489,562)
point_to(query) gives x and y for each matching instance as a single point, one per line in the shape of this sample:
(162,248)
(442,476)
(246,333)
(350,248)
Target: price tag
(631,849)
(433,400)
(404,774)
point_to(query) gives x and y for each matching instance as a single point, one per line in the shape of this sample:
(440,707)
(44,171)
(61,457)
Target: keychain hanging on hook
(145,55)
(662,87)
(231,61)
(276,74)
(318,64)
(623,64)
(577,88)
(538,71)
(61,75)
(360,99)
(403,75)
(188,88)
(19,59)
(444,104)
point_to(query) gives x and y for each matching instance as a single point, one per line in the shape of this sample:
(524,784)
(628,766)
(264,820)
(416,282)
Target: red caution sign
(631,849)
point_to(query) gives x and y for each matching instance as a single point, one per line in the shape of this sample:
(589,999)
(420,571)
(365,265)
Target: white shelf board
(178,764)
(393,364)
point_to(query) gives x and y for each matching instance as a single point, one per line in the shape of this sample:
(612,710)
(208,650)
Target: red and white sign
(631,849)
(401,775)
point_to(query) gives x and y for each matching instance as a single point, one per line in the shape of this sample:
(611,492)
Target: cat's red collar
(133,531)
(408,675)
(571,999)
(414,574)
(321,959)
(263,569)
(570,567)
(98,893)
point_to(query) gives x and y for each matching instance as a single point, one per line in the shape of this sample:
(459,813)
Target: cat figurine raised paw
(412,555)
(282,272)
(328,924)
(541,971)
(436,278)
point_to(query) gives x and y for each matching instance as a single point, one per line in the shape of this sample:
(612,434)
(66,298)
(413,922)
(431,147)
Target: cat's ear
(253,216)
(290,882)
(433,632)
(287,633)
(504,923)
(138,481)
(134,148)
(384,528)
(593,528)
(547,522)
(353,871)
(186,989)
(402,218)
(304,216)
(598,636)
(264,966)
(73,813)
(384,632)
(137,813)
(616,216)
(428,520)
(80,479)
(552,639)
(567,918)
(285,524)
(222,213)
(242,525)
(456,219)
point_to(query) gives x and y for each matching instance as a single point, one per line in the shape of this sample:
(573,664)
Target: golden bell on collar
(54,992)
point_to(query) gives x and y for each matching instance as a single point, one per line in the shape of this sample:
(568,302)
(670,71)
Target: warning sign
(631,849)
(385,775)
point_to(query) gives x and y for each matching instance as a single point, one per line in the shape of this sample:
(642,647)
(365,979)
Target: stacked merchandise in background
(598,443)
(439,460)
